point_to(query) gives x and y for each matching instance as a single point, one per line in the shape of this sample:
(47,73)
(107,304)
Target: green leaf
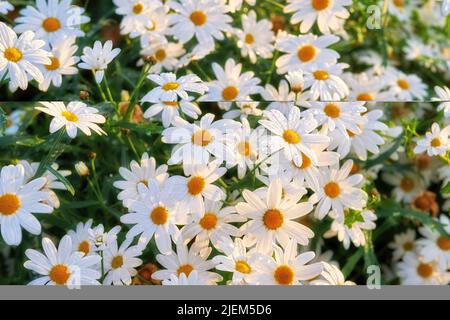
(370,257)
(55,150)
(390,208)
(386,155)
(352,262)
(63,179)
(25,141)
(446,189)
(2,121)
(146,128)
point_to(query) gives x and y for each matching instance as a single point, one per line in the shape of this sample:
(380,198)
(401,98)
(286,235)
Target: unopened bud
(82,169)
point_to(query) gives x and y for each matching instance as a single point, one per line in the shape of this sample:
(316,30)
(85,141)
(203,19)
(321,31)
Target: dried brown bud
(84,95)
(426,202)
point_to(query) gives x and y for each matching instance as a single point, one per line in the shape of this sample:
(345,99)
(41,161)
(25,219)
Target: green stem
(48,158)
(135,94)
(108,90)
(3,79)
(100,89)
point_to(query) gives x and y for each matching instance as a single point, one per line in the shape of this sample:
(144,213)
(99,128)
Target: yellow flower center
(138,8)
(436,143)
(54,65)
(71,117)
(399,3)
(51,24)
(159,215)
(59,274)
(408,246)
(84,247)
(306,162)
(332,190)
(320,5)
(198,18)
(273,219)
(117,262)
(425,270)
(332,110)
(364,97)
(9,204)
(244,149)
(407,184)
(284,275)
(209,221)
(321,75)
(249,38)
(291,137)
(171,103)
(202,138)
(160,55)
(13,55)
(196,185)
(170,86)
(403,84)
(243,267)
(186,269)
(307,53)
(443,243)
(230,93)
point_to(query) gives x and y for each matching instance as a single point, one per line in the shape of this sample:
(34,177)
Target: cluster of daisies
(241,191)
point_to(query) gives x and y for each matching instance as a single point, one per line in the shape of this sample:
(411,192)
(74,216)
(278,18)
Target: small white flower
(413,270)
(101,239)
(331,276)
(5,7)
(81,238)
(406,185)
(435,143)
(403,243)
(170,88)
(121,262)
(98,58)
(21,57)
(76,115)
(406,87)
(166,55)
(436,247)
(13,122)
(282,99)
(443,94)
(62,266)
(325,82)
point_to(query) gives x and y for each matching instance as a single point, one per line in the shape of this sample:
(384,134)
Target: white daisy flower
(21,57)
(139,172)
(402,8)
(192,191)
(325,82)
(76,116)
(81,238)
(291,190)
(238,260)
(231,85)
(244,109)
(186,260)
(327,13)
(416,49)
(403,243)
(52,182)
(155,30)
(62,266)
(136,13)
(98,58)
(341,116)
(52,19)
(282,99)
(293,134)
(414,271)
(101,239)
(286,268)
(205,19)
(155,214)
(435,143)
(166,55)
(273,220)
(255,38)
(436,247)
(63,63)
(331,276)
(338,191)
(360,143)
(351,225)
(183,280)
(365,86)
(170,110)
(406,87)
(120,263)
(5,7)
(296,81)
(443,95)
(213,224)
(13,122)
(304,50)
(248,146)
(196,143)
(18,201)
(406,185)
(170,88)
